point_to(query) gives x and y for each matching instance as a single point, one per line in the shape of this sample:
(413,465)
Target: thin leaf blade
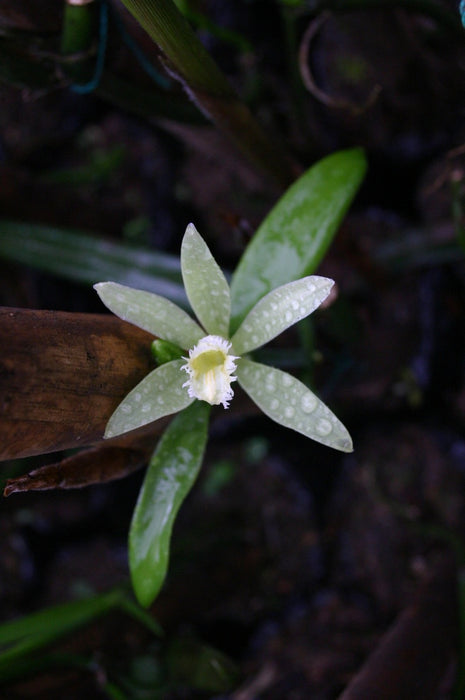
(171,474)
(297,232)
(64,616)
(289,402)
(87,259)
(279,310)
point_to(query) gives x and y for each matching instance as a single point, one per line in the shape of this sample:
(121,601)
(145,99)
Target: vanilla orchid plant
(200,363)
(210,360)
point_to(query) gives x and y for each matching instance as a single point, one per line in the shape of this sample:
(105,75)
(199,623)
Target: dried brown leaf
(61,377)
(105,462)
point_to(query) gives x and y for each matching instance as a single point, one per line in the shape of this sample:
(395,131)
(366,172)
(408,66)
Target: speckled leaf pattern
(171,474)
(206,286)
(289,402)
(159,394)
(151,312)
(278,310)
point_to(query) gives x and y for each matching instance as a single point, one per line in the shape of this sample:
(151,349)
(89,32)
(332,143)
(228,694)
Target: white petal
(205,284)
(151,312)
(279,310)
(159,394)
(290,403)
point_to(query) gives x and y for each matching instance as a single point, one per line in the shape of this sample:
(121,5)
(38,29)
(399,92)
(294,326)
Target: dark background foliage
(289,558)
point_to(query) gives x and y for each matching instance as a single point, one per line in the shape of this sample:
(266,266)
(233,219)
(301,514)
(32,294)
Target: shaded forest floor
(289,558)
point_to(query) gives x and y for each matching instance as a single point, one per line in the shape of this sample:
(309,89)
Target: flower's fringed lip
(280,309)
(213,382)
(205,284)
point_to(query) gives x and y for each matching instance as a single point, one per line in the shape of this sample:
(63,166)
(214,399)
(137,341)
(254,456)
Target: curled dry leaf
(98,465)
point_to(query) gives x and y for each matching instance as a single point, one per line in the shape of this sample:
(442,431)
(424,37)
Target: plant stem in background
(80,23)
(188,61)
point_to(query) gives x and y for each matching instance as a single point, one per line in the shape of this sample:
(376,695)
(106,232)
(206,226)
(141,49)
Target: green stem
(190,63)
(78,39)
(145,618)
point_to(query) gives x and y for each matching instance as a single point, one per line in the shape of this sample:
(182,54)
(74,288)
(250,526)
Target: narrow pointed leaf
(159,394)
(88,259)
(57,619)
(297,232)
(151,312)
(22,639)
(290,403)
(205,284)
(279,310)
(170,476)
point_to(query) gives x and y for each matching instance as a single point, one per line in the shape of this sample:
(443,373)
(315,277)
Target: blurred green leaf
(220,475)
(298,231)
(22,638)
(101,166)
(201,666)
(52,622)
(171,474)
(89,259)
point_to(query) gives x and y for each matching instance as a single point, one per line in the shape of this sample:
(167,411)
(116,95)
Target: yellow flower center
(210,368)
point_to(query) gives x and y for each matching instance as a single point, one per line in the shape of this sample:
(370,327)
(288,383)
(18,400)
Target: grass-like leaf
(23,638)
(88,259)
(287,401)
(170,476)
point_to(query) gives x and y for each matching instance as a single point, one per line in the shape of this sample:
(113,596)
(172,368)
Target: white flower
(214,356)
(210,368)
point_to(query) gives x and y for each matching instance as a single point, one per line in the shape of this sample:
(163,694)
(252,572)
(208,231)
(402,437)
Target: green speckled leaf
(206,286)
(297,232)
(159,394)
(171,474)
(289,402)
(279,310)
(151,312)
